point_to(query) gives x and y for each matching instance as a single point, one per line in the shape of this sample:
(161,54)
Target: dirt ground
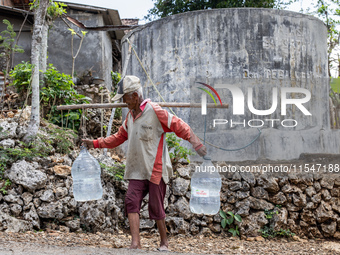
(56,242)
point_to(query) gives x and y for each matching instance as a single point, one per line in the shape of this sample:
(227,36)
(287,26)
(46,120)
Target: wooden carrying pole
(118,105)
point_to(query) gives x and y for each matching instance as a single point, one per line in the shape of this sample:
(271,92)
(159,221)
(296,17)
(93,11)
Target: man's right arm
(110,142)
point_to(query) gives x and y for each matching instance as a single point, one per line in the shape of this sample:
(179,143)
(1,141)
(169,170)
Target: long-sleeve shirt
(147,154)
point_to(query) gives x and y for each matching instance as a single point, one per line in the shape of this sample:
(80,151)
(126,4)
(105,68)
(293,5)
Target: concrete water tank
(271,56)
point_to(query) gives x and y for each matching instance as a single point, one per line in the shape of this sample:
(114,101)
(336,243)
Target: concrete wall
(95,53)
(260,49)
(24,40)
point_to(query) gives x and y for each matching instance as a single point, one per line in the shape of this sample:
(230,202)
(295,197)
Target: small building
(100,51)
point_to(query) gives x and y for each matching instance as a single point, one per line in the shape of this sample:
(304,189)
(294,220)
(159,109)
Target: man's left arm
(172,123)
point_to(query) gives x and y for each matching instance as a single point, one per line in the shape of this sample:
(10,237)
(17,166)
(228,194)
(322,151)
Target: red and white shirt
(147,154)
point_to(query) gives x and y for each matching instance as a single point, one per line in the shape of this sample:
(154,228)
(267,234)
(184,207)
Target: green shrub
(229,221)
(117,171)
(268,231)
(176,151)
(116,77)
(21,76)
(57,90)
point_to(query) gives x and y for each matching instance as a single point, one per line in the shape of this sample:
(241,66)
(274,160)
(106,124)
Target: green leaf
(224,223)
(238,218)
(230,213)
(223,214)
(230,220)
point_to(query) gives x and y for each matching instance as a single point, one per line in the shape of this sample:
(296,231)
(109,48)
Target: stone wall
(41,197)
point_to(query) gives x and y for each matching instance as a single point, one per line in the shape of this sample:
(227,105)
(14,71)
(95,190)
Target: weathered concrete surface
(261,49)
(95,53)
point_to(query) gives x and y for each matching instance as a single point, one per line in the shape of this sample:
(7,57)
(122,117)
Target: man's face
(131,100)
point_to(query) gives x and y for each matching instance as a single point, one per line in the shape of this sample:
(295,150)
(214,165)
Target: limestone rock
(146,224)
(278,199)
(251,224)
(24,173)
(61,192)
(7,143)
(279,219)
(8,130)
(182,206)
(290,189)
(283,181)
(307,179)
(62,170)
(335,192)
(337,235)
(47,196)
(292,208)
(259,192)
(206,232)
(249,178)
(327,182)
(243,207)
(236,177)
(216,228)
(260,204)
(314,232)
(27,197)
(269,183)
(299,200)
(11,224)
(194,229)
(184,172)
(235,185)
(310,191)
(317,186)
(73,225)
(177,225)
(335,203)
(329,229)
(93,215)
(316,198)
(53,210)
(245,186)
(242,195)
(308,216)
(15,209)
(326,195)
(293,215)
(33,217)
(180,186)
(324,212)
(13,199)
(36,202)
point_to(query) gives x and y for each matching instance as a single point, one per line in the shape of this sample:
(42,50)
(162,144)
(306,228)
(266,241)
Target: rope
(140,62)
(205,121)
(114,109)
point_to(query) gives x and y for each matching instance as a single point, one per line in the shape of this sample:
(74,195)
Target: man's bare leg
(162,232)
(134,229)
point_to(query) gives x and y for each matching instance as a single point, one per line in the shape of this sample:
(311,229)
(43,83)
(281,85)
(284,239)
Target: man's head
(130,90)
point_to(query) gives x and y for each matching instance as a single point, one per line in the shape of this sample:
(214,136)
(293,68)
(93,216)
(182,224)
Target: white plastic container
(205,189)
(86,177)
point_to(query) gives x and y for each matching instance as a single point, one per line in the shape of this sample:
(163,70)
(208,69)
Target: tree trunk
(39,20)
(43,51)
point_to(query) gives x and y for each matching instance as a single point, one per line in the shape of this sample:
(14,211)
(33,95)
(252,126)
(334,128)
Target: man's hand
(88,143)
(202,151)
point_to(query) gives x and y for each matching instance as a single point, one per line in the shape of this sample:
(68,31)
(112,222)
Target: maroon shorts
(137,190)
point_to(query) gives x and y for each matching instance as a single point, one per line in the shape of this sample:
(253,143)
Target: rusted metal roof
(16,10)
(98,28)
